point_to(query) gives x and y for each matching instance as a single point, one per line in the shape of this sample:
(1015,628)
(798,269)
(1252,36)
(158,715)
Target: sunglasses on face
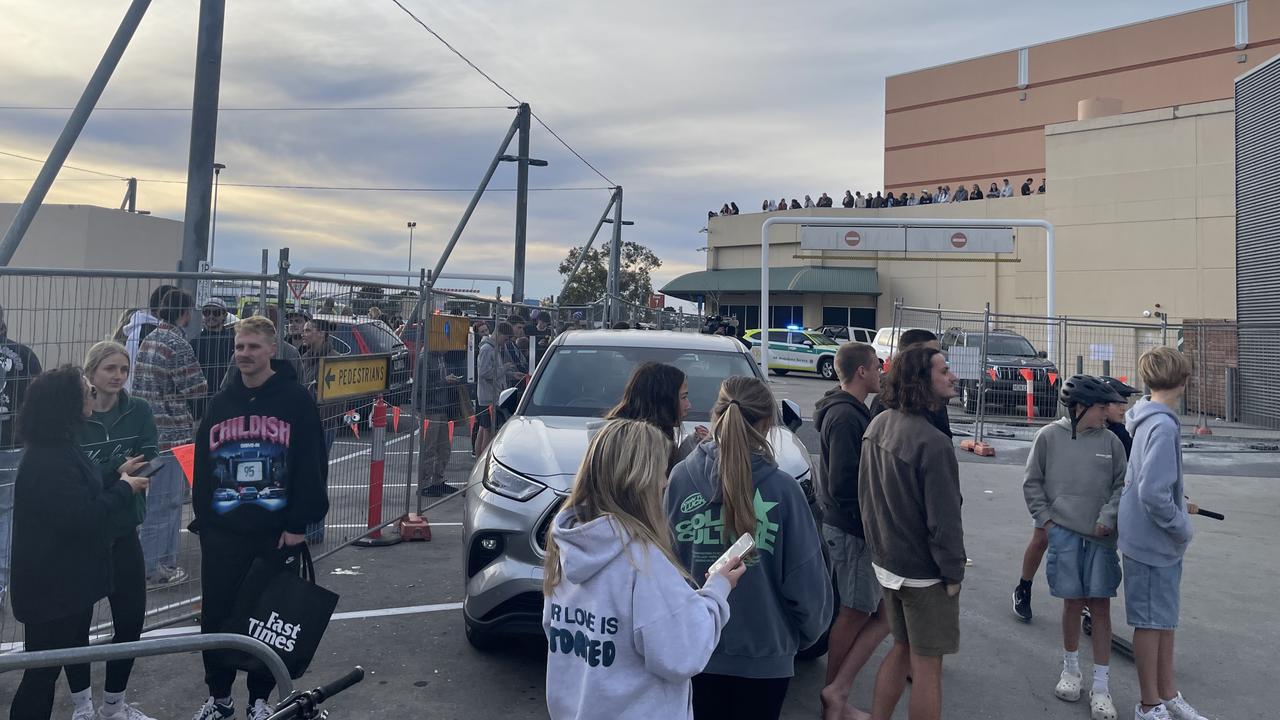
(210,312)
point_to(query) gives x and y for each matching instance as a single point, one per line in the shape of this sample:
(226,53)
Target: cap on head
(214,302)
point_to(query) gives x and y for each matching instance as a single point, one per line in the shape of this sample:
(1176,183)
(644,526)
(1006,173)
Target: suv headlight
(510,484)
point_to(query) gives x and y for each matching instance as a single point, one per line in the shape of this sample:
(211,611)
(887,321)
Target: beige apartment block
(1143,210)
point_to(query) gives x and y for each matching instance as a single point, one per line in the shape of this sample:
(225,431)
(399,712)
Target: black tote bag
(281,605)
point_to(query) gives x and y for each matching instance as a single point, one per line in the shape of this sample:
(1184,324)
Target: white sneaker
(1158,712)
(1068,686)
(83,713)
(1180,709)
(212,710)
(123,711)
(260,711)
(1101,707)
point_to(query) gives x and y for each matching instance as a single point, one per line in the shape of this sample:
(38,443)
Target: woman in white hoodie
(625,628)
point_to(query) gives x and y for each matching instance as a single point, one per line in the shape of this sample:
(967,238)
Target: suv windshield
(1015,345)
(820,339)
(588,381)
(379,337)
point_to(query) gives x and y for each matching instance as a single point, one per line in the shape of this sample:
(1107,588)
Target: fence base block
(977,447)
(415,528)
(382,539)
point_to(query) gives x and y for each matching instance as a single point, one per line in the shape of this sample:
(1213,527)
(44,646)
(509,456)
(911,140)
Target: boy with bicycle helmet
(1074,478)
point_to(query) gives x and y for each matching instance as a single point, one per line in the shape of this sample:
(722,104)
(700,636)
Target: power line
(62,180)
(506,92)
(379,108)
(69,167)
(366,188)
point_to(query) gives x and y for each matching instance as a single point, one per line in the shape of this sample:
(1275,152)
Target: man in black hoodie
(260,471)
(842,418)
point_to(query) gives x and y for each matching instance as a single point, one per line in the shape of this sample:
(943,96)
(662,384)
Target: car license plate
(1019,387)
(397,364)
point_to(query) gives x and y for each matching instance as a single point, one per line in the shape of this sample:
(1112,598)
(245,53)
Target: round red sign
(959,240)
(852,238)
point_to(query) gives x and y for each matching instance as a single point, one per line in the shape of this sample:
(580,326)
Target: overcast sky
(688,105)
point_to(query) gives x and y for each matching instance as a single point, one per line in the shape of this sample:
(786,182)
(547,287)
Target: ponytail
(744,412)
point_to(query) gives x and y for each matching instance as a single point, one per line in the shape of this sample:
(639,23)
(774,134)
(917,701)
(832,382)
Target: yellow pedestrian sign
(346,377)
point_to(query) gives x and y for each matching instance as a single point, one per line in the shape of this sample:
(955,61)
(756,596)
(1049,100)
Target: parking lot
(399,615)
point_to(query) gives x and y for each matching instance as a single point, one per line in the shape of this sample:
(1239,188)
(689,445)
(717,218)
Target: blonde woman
(727,487)
(625,629)
(119,438)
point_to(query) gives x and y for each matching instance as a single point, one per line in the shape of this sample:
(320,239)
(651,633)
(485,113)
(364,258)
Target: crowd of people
(93,495)
(635,618)
(884,199)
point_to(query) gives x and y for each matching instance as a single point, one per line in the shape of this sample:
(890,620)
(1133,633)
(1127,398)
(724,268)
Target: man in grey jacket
(493,377)
(909,492)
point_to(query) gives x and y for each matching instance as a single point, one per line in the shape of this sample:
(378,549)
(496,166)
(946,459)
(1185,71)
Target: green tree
(589,283)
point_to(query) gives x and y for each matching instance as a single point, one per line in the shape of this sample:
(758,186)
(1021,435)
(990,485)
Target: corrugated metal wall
(1258,241)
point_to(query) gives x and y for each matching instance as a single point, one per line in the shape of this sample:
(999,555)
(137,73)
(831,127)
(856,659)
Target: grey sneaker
(1180,709)
(260,711)
(166,575)
(212,710)
(122,711)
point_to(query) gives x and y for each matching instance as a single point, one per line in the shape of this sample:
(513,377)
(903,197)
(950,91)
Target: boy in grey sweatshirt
(1155,529)
(1074,477)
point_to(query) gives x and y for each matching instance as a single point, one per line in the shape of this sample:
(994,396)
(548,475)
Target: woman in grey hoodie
(733,486)
(625,629)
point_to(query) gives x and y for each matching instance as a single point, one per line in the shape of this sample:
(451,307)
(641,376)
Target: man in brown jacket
(909,492)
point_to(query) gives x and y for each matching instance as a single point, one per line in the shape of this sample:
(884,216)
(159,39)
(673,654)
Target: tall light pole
(213,224)
(411,224)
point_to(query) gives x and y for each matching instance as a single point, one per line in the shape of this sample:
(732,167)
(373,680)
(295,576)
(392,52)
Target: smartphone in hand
(151,468)
(737,551)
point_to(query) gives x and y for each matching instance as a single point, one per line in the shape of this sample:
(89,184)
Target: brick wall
(1212,345)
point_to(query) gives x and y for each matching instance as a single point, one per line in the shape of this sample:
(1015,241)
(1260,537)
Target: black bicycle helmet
(1122,389)
(1086,391)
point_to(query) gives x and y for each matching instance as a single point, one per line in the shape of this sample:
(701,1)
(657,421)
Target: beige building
(1143,210)
(86,236)
(984,119)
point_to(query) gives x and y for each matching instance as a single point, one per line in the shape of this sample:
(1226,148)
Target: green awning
(850,281)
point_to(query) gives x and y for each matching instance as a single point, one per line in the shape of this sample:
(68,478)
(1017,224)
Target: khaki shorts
(925,618)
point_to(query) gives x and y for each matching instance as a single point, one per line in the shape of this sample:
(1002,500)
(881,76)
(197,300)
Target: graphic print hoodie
(260,461)
(625,631)
(783,602)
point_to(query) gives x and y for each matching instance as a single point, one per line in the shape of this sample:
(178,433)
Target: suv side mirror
(508,399)
(807,342)
(1043,355)
(791,415)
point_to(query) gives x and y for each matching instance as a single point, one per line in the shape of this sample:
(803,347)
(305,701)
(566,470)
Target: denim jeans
(9,461)
(160,531)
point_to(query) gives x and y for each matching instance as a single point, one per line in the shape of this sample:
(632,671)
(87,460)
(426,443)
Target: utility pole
(71,131)
(204,131)
(522,201)
(615,259)
(130,202)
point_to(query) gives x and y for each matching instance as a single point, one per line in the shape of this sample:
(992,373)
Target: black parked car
(362,336)
(1008,353)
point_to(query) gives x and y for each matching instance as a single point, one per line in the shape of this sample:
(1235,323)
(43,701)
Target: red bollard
(1028,375)
(377,455)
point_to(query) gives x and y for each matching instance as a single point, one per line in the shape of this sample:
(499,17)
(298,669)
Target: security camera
(1146,313)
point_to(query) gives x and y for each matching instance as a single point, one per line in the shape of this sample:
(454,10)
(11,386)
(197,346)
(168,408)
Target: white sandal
(1068,686)
(1101,707)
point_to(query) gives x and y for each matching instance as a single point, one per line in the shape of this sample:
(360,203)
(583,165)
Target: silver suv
(520,482)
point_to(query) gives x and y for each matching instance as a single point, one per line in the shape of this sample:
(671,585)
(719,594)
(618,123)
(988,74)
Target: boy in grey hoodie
(1155,529)
(1074,477)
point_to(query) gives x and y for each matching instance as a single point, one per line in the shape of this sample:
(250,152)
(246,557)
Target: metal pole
(152,648)
(213,226)
(522,202)
(130,202)
(980,424)
(582,255)
(71,131)
(204,131)
(475,200)
(282,291)
(411,225)
(613,287)
(262,286)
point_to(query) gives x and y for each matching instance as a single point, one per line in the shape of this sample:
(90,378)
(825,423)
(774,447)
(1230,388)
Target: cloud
(688,105)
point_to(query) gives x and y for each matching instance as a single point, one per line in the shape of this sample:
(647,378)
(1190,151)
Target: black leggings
(34,697)
(128,606)
(726,697)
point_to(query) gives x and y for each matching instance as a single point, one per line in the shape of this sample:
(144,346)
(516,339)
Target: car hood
(1018,361)
(550,448)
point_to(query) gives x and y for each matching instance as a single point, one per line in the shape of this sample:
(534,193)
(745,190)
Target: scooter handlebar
(1211,514)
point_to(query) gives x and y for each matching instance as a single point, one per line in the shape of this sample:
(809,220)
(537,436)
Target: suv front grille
(544,527)
(1013,373)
